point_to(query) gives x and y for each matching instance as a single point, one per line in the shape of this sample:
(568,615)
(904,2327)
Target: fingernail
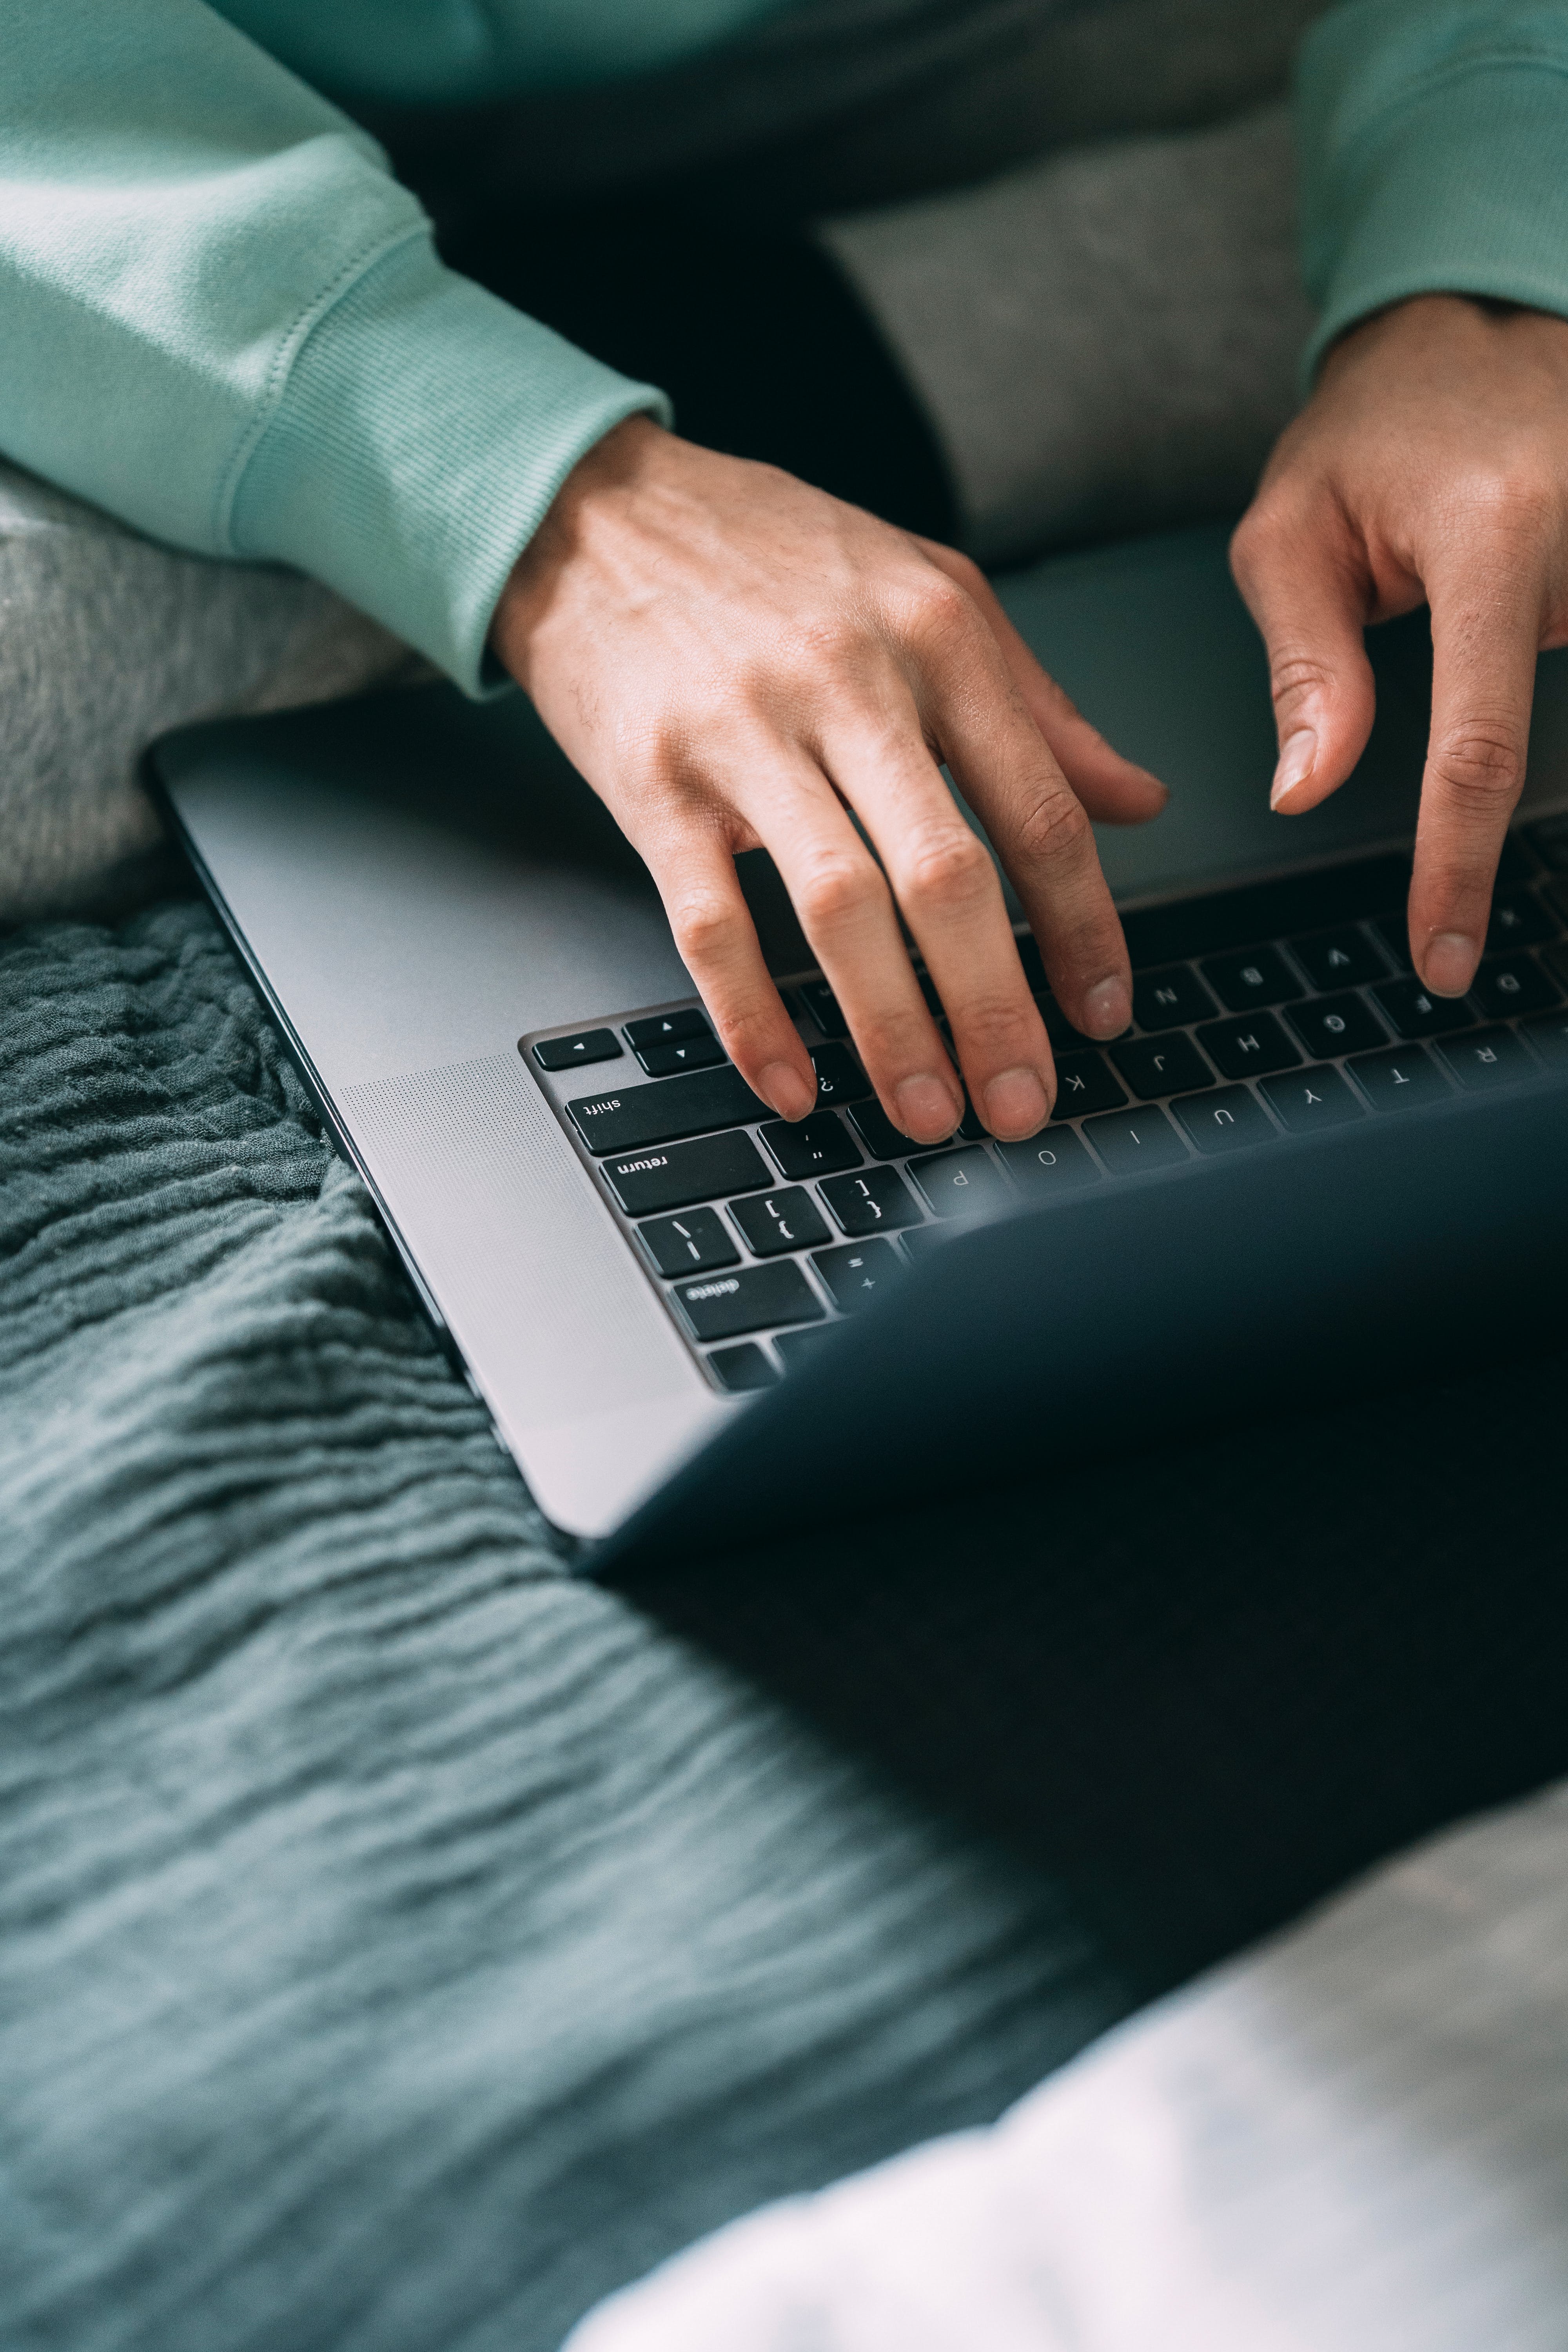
(1107,1009)
(782,1085)
(1450,963)
(927,1109)
(1297,754)
(1017,1104)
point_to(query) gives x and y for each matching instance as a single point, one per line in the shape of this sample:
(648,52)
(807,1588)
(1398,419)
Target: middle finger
(947,889)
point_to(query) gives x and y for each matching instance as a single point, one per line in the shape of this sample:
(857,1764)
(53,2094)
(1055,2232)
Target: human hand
(735,660)
(1430,464)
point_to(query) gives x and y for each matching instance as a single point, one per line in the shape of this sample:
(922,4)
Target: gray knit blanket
(402,1942)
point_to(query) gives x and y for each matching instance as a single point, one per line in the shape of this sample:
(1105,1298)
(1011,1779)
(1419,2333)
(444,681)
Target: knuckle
(1294,676)
(1504,500)
(992,1029)
(752,1028)
(1054,824)
(704,923)
(946,870)
(893,1040)
(962,569)
(938,614)
(1269,523)
(837,890)
(1481,763)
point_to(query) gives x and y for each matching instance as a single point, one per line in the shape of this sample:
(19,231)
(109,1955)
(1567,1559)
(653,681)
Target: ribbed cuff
(1463,189)
(422,431)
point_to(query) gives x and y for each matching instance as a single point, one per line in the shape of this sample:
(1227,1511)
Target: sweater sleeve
(1434,140)
(225,322)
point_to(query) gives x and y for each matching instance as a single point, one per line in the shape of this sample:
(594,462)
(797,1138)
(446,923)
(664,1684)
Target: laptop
(1295,1176)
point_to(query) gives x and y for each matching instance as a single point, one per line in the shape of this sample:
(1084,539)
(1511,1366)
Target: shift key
(680,1174)
(621,1118)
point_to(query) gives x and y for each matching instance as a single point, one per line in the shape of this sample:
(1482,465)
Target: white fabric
(1353,2140)
(106,641)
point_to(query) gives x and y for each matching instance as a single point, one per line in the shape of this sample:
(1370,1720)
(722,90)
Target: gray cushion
(107,640)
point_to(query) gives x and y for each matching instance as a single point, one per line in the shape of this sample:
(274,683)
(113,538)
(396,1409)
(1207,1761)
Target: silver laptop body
(417,884)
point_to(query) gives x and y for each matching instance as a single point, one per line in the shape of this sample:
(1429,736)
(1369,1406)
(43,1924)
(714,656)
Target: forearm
(226,324)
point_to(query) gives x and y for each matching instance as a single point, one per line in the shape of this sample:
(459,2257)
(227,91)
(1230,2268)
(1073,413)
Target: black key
(1084,1085)
(877,1201)
(876,1130)
(1393,930)
(840,1077)
(1258,977)
(921,1240)
(810,1147)
(1549,841)
(1519,920)
(852,1273)
(1170,999)
(1337,1025)
(683,1172)
(773,1222)
(1033,962)
(824,1007)
(1507,985)
(685,1053)
(1488,1057)
(1399,1078)
(662,1112)
(1227,1121)
(1555,896)
(961,1183)
(1231,920)
(1308,1099)
(587,1046)
(1413,1013)
(796,1347)
(1054,1162)
(1246,1049)
(1130,1140)
(666,1029)
(1342,959)
(722,1305)
(1161,1066)
(689,1244)
(1549,1035)
(1064,1037)
(737,1369)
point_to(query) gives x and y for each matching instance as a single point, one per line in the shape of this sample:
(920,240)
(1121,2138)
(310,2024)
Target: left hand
(1431,465)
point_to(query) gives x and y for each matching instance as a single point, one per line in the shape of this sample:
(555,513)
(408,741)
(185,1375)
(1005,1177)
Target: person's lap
(406,1944)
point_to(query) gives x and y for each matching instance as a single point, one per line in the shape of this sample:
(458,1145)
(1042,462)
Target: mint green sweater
(224,321)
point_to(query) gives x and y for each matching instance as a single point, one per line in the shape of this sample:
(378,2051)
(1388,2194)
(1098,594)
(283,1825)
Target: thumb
(1309,597)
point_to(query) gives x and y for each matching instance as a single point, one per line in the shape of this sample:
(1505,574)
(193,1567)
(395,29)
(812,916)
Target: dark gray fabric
(402,1945)
(1105,340)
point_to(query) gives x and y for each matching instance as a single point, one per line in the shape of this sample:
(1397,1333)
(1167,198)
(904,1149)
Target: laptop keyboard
(1261,1012)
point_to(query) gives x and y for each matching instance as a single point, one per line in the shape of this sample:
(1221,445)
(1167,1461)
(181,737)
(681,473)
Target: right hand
(735,660)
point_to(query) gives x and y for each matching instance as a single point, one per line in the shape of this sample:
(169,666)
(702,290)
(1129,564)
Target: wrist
(601,479)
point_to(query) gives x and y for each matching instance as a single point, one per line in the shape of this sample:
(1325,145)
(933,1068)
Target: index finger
(1485,634)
